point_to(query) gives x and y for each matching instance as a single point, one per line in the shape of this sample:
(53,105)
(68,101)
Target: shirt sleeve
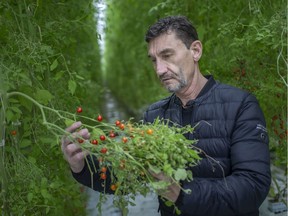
(90,176)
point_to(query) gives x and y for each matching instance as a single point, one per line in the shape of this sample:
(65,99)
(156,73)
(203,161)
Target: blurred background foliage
(50,51)
(245,45)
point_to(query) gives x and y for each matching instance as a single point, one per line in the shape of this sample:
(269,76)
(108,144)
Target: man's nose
(161,67)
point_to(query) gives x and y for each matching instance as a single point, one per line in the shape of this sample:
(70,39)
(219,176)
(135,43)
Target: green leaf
(59,75)
(30,197)
(72,85)
(9,116)
(54,65)
(159,185)
(80,77)
(32,160)
(25,143)
(168,169)
(178,212)
(44,193)
(96,132)
(169,203)
(154,169)
(16,110)
(43,96)
(69,122)
(180,174)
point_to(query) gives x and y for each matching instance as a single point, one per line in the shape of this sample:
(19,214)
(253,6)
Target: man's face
(172,61)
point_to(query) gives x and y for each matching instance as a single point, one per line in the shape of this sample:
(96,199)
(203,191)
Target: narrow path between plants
(145,206)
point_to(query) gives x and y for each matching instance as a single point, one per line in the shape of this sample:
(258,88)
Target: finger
(78,156)
(66,140)
(74,126)
(83,133)
(71,149)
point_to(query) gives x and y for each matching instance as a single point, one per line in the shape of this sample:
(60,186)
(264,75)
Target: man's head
(182,27)
(175,50)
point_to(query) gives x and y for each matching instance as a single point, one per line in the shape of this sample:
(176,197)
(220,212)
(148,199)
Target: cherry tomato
(117,123)
(102,137)
(122,126)
(13,132)
(99,118)
(104,169)
(113,187)
(103,176)
(80,140)
(124,139)
(112,135)
(104,150)
(94,142)
(149,131)
(79,110)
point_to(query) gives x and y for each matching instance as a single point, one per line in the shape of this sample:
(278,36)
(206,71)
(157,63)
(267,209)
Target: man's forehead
(163,43)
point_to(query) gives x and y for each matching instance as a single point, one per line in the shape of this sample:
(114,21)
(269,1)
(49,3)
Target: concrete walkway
(145,206)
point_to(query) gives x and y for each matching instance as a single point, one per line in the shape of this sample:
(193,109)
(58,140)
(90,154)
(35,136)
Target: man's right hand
(71,150)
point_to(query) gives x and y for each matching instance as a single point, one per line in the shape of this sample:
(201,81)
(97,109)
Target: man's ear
(196,49)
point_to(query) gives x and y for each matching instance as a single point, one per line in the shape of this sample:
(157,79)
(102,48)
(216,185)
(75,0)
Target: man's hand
(173,189)
(72,151)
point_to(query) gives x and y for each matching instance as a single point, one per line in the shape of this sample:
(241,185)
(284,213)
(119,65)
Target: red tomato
(102,137)
(124,139)
(117,123)
(112,134)
(94,142)
(80,140)
(13,132)
(104,169)
(104,150)
(122,126)
(113,187)
(99,118)
(103,176)
(79,110)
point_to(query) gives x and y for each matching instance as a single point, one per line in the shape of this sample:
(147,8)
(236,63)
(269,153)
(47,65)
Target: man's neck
(193,90)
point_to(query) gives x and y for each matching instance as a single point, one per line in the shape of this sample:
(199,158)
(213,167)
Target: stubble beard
(182,82)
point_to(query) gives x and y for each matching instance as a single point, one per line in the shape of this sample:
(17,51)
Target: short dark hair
(183,28)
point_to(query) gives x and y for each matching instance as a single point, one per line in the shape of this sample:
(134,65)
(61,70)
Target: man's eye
(166,56)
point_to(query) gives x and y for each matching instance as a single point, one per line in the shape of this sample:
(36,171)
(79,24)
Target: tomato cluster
(130,150)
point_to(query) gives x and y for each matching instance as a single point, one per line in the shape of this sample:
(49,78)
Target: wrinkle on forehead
(166,41)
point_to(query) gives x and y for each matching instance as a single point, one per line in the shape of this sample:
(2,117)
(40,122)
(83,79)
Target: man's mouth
(166,79)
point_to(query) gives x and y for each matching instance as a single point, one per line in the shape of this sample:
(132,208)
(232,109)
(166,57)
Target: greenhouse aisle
(145,206)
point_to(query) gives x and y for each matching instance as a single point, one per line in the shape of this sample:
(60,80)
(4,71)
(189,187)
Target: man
(233,177)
